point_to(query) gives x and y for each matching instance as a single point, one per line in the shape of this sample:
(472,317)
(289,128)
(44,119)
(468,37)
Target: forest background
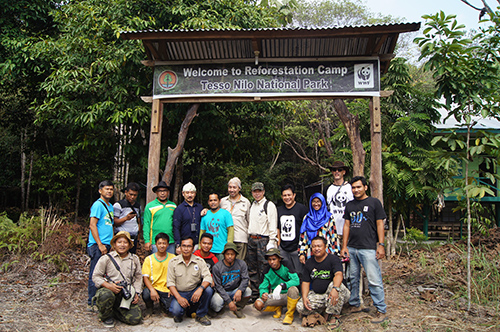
(71,115)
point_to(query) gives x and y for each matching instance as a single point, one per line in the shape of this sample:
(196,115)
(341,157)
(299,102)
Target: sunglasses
(337,170)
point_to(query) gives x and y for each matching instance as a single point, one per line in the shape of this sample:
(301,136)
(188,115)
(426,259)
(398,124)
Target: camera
(125,292)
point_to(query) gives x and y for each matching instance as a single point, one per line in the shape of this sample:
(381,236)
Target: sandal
(333,324)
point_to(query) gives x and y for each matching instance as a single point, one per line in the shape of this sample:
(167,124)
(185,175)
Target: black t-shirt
(363,216)
(289,223)
(321,274)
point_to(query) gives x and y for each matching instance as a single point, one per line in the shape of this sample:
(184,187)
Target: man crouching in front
(118,276)
(189,280)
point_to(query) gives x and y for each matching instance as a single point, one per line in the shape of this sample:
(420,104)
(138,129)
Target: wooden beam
(376,182)
(154,149)
(386,93)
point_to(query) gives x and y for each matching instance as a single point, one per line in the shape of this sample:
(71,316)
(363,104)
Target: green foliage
(414,235)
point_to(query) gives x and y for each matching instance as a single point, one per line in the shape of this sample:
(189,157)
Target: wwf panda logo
(364,73)
(287,228)
(340,199)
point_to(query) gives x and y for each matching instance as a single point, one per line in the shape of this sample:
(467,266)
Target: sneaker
(379,317)
(91,308)
(109,322)
(239,313)
(353,309)
(177,319)
(203,320)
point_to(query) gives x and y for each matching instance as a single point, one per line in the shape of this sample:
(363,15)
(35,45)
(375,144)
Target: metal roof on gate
(270,44)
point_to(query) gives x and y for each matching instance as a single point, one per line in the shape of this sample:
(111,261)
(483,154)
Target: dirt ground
(35,297)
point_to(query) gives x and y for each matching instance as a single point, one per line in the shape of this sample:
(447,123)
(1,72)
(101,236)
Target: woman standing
(318,222)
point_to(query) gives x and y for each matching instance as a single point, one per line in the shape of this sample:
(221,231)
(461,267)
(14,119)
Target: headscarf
(314,220)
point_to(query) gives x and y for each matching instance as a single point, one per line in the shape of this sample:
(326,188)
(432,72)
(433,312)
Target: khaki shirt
(239,211)
(260,223)
(186,277)
(130,266)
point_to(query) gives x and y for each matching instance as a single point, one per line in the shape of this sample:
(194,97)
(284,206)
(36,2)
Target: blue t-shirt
(105,221)
(217,224)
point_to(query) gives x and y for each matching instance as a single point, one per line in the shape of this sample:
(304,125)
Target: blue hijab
(314,220)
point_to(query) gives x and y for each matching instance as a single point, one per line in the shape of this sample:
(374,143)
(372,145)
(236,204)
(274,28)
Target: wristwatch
(337,289)
(381,244)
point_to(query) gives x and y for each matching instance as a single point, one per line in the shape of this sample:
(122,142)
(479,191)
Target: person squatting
(202,262)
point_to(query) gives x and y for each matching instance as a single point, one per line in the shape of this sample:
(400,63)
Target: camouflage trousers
(108,304)
(256,261)
(321,303)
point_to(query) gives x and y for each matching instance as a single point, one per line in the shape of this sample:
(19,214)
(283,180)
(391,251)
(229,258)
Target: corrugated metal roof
(270,44)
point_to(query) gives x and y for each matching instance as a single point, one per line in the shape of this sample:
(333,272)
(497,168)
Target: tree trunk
(351,124)
(390,233)
(179,180)
(469,231)
(78,190)
(28,185)
(173,154)
(23,169)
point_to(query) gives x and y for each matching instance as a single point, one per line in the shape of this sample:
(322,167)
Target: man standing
(231,282)
(363,243)
(337,195)
(262,230)
(322,287)
(128,214)
(279,287)
(158,217)
(290,218)
(219,223)
(238,206)
(189,280)
(100,233)
(187,217)
(154,273)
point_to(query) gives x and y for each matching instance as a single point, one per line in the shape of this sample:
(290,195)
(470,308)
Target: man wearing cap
(219,223)
(158,217)
(100,233)
(127,213)
(231,282)
(262,235)
(337,195)
(238,206)
(322,287)
(187,217)
(189,280)
(290,218)
(279,287)
(118,278)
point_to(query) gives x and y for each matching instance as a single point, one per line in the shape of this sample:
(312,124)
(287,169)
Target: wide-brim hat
(272,252)
(232,246)
(161,184)
(120,234)
(339,164)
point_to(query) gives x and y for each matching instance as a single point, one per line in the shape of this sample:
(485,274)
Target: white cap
(189,187)
(236,181)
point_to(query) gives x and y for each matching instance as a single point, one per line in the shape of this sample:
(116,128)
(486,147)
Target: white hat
(236,181)
(189,187)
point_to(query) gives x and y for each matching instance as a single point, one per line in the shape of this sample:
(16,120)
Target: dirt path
(34,297)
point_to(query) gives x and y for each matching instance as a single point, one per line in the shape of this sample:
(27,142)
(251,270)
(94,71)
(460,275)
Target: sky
(413,10)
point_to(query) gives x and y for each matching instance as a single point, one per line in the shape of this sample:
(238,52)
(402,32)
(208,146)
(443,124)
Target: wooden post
(376,183)
(154,149)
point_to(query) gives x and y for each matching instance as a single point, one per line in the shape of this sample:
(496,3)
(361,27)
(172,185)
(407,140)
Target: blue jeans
(367,258)
(177,311)
(217,302)
(94,254)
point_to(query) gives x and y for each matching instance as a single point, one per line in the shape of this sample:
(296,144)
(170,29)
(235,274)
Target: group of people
(235,252)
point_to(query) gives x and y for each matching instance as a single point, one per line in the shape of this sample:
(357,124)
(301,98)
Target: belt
(258,236)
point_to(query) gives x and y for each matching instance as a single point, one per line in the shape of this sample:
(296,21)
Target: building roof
(480,122)
(270,44)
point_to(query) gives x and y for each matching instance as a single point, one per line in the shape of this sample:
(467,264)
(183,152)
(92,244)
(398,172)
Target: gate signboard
(319,78)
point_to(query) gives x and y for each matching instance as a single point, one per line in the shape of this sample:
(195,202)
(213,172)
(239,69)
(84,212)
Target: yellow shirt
(156,271)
